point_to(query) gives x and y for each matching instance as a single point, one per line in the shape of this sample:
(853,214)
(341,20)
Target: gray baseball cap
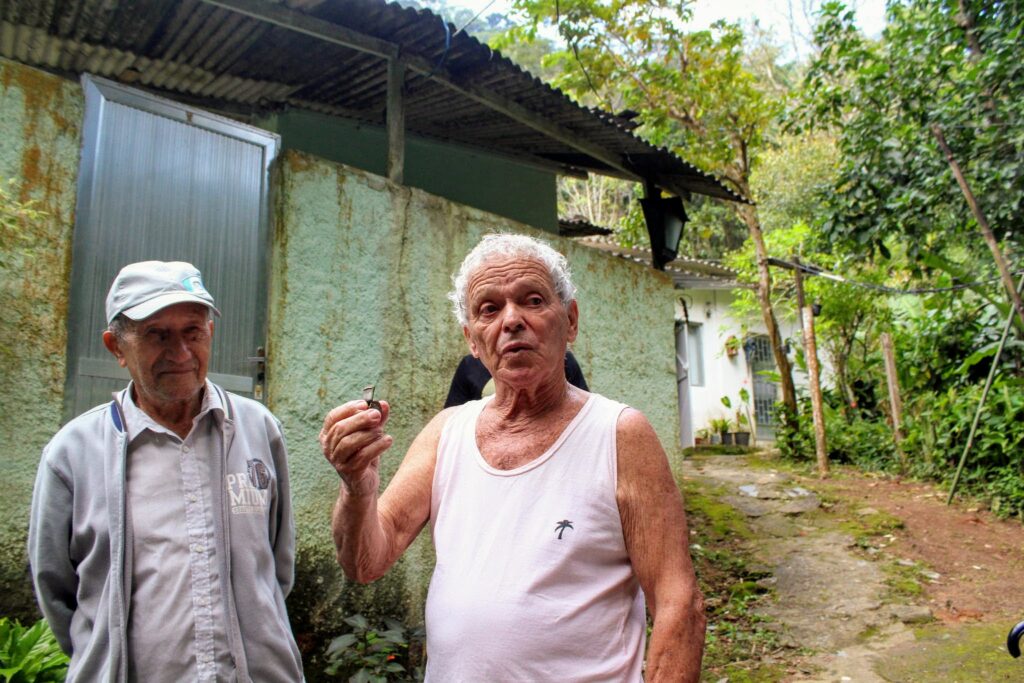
(141,289)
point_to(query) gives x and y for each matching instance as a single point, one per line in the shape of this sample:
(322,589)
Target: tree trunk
(843,383)
(749,216)
(813,374)
(990,239)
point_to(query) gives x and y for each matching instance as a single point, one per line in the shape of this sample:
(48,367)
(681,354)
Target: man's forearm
(677,643)
(359,537)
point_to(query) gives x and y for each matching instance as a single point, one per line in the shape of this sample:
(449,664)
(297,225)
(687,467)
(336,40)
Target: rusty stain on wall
(40,123)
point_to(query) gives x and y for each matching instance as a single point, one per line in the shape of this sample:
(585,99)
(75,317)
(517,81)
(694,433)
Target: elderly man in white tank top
(554,514)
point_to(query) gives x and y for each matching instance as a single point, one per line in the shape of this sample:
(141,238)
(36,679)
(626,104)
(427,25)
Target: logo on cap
(194,284)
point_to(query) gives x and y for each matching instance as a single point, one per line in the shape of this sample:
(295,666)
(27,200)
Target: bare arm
(371,534)
(654,526)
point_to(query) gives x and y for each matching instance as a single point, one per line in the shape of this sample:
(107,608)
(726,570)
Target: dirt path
(876,580)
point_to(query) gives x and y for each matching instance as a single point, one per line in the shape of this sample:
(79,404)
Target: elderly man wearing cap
(161,537)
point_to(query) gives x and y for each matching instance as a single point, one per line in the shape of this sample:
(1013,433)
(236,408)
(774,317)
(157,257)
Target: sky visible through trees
(788,20)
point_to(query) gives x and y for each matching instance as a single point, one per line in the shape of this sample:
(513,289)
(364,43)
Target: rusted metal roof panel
(234,58)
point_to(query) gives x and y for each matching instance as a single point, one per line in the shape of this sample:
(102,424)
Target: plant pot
(742,438)
(727,438)
(699,440)
(716,439)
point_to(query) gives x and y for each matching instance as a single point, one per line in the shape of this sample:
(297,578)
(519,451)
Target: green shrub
(795,438)
(937,428)
(369,655)
(867,444)
(30,654)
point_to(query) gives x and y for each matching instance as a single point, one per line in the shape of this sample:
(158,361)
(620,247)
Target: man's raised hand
(352,440)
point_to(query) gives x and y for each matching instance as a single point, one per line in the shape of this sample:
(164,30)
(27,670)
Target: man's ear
(110,341)
(469,341)
(574,321)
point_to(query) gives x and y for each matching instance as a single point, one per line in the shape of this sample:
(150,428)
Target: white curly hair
(506,245)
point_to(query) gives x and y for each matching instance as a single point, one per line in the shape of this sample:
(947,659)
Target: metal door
(683,384)
(760,360)
(162,181)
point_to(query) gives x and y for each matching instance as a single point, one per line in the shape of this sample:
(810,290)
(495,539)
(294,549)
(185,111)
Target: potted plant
(720,426)
(742,423)
(732,345)
(751,428)
(741,437)
(701,437)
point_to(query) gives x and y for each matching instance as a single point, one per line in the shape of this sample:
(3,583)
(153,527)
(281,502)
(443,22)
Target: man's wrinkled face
(518,327)
(167,353)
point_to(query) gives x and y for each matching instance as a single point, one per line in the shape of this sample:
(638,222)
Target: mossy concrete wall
(360,270)
(40,136)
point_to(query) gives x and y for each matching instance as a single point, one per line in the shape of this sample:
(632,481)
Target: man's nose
(178,348)
(511,318)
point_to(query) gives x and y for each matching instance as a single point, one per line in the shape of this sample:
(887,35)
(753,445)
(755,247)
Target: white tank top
(532,581)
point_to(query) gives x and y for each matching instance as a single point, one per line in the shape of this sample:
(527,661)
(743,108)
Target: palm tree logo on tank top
(562,526)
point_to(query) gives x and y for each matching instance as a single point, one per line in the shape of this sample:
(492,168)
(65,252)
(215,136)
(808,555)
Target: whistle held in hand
(368,397)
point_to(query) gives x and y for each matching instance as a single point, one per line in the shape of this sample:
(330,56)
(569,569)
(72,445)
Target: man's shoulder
(81,436)
(96,418)
(609,404)
(246,409)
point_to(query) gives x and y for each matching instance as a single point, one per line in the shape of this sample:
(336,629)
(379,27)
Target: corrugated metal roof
(686,272)
(233,58)
(580,227)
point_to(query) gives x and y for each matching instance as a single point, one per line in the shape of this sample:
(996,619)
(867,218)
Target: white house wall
(723,375)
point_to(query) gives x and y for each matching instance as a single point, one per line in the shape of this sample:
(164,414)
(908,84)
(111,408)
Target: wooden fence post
(813,373)
(895,403)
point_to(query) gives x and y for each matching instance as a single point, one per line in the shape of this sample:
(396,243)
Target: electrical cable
(475,17)
(447,47)
(821,272)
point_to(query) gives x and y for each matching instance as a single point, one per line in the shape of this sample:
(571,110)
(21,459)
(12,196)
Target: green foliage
(793,179)
(742,410)
(604,201)
(937,65)
(30,654)
(937,426)
(867,443)
(945,339)
(374,655)
(693,91)
(793,437)
(640,53)
(719,425)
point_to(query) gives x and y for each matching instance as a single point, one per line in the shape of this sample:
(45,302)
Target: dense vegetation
(840,150)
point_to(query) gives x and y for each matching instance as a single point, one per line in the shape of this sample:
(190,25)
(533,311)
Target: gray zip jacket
(77,544)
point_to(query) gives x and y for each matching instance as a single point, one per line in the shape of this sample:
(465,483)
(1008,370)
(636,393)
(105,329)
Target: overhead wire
(475,17)
(811,269)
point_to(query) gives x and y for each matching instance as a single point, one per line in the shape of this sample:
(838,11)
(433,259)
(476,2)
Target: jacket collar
(130,420)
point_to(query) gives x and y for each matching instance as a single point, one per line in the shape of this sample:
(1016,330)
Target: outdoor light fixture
(708,308)
(665,218)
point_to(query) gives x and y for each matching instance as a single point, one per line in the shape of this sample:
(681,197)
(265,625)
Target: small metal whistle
(368,397)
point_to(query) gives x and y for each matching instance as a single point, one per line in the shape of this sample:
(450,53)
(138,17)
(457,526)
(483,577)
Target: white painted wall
(723,375)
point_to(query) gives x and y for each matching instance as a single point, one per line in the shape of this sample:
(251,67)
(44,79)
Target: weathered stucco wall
(40,118)
(360,271)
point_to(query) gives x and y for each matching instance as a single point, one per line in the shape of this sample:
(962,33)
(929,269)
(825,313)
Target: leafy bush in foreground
(30,654)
